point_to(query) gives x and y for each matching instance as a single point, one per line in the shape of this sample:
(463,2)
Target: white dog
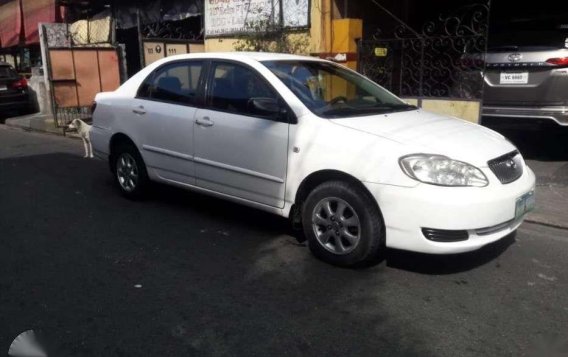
(83,129)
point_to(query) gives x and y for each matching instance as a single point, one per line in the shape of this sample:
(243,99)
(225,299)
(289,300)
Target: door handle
(205,121)
(139,110)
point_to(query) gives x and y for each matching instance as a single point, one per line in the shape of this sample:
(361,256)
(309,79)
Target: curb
(544,222)
(29,128)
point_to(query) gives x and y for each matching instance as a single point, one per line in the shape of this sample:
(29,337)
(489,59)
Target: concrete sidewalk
(38,122)
(551,191)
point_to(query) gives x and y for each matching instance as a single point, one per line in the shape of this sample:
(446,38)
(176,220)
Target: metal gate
(444,59)
(76,75)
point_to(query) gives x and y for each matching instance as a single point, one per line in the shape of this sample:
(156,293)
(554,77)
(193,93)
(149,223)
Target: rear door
(164,110)
(238,151)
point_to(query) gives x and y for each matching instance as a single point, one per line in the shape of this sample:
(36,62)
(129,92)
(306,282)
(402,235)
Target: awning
(32,12)
(10,23)
(35,12)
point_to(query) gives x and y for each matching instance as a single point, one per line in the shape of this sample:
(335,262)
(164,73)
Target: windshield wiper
(379,108)
(395,106)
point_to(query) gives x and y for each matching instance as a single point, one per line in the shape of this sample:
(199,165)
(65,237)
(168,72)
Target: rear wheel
(343,225)
(129,171)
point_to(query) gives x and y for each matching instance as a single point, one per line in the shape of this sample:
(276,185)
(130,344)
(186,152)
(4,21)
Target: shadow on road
(448,264)
(177,274)
(7,114)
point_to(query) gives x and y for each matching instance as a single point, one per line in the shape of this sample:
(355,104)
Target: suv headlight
(441,170)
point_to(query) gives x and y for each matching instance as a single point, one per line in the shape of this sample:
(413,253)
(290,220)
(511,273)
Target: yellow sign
(381,51)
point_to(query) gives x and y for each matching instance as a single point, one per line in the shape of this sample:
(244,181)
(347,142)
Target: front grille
(443,235)
(508,167)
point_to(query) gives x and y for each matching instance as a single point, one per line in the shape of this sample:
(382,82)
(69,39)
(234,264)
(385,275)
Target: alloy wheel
(336,225)
(127,172)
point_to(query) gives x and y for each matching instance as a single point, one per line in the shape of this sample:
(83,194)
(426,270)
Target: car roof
(256,56)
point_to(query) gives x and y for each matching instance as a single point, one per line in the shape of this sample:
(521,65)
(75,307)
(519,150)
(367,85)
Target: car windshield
(533,40)
(331,91)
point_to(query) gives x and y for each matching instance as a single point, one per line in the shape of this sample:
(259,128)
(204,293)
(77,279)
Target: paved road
(182,274)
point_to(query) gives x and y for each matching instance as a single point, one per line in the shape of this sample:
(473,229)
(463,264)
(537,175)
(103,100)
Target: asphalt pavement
(182,274)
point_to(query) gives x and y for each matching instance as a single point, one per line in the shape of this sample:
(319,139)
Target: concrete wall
(463,109)
(468,110)
(39,90)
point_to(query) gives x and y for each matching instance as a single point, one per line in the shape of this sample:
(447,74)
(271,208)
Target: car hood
(435,134)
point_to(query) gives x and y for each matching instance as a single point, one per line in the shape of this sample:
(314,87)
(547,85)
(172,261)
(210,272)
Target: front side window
(331,91)
(234,88)
(176,82)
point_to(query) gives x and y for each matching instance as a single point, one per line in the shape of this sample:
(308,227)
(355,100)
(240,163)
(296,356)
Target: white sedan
(304,138)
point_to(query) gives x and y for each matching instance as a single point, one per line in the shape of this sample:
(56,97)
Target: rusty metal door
(76,75)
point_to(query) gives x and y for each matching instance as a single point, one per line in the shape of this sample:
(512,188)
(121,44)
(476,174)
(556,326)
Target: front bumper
(558,114)
(486,213)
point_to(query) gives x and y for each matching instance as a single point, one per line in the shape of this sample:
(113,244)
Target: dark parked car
(14,92)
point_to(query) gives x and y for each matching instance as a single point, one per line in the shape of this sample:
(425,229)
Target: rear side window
(7,72)
(175,83)
(233,86)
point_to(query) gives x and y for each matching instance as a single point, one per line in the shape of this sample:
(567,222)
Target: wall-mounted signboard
(231,17)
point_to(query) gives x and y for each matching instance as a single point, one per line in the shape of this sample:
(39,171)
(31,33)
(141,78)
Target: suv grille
(508,167)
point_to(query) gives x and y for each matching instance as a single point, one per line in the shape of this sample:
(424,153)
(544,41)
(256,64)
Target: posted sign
(229,17)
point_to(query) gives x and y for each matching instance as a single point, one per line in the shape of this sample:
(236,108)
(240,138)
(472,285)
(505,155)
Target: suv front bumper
(558,114)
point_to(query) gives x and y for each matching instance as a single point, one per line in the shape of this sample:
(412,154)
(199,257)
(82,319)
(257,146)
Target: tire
(351,225)
(129,171)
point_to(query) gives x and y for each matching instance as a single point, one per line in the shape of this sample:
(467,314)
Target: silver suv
(527,77)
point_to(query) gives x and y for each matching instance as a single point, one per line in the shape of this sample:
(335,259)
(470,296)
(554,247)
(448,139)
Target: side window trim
(199,94)
(291,117)
(202,85)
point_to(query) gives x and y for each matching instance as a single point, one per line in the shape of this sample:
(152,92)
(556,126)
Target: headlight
(441,170)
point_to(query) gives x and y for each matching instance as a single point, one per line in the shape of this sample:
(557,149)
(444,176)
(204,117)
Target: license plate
(524,204)
(514,77)
(3,87)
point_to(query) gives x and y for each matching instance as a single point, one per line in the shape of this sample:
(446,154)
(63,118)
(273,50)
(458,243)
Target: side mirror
(269,107)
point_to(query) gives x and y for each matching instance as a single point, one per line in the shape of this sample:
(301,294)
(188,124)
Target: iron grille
(508,167)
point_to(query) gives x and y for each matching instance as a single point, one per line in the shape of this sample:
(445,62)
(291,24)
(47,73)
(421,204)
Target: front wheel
(129,171)
(343,225)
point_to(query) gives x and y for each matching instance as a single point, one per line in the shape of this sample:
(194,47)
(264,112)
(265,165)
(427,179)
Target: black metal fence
(444,59)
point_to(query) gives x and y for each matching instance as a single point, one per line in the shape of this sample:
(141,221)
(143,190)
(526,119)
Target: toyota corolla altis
(304,138)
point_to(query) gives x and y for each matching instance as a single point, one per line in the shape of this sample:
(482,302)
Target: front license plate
(524,204)
(514,78)
(3,87)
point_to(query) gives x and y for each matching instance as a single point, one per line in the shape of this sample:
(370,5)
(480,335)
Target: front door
(239,151)
(165,107)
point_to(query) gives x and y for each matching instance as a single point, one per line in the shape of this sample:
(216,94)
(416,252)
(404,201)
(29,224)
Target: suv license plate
(514,78)
(3,87)
(524,204)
